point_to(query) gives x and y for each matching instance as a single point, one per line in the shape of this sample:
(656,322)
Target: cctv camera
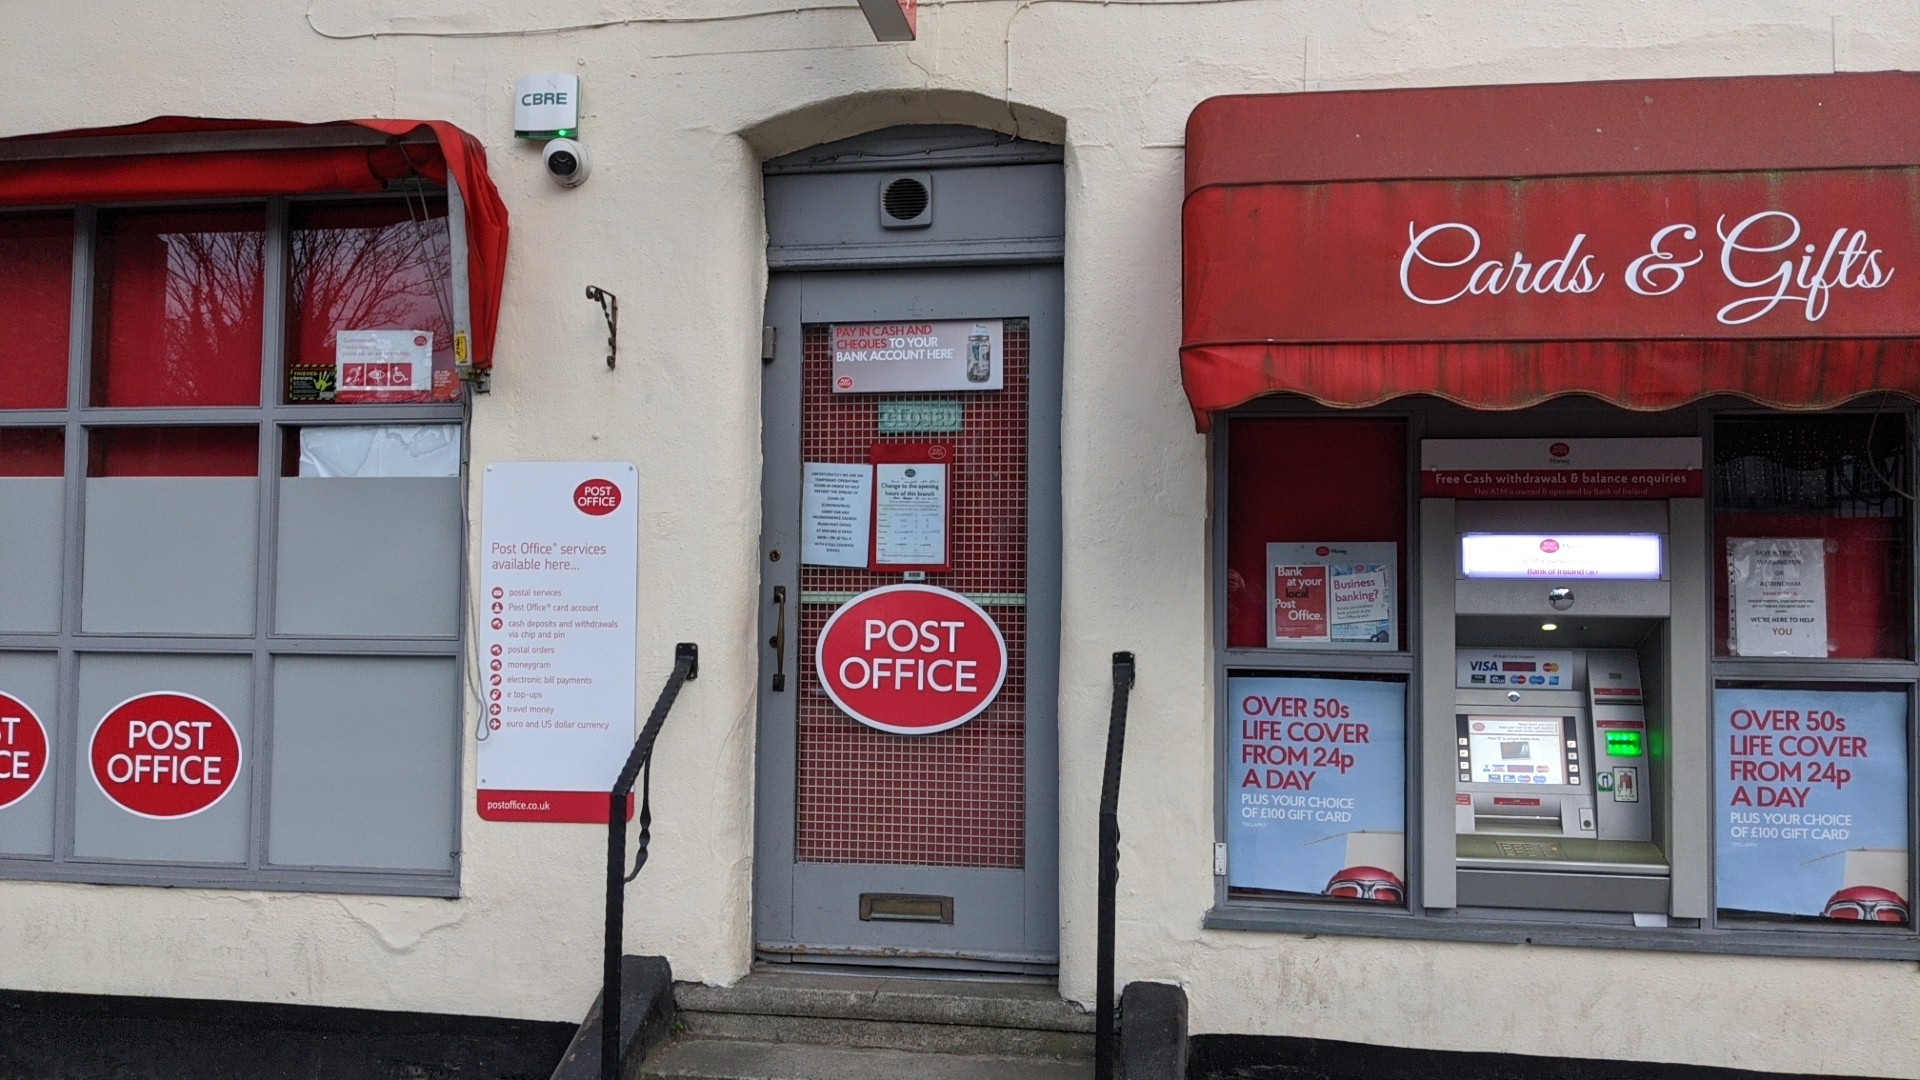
(567,162)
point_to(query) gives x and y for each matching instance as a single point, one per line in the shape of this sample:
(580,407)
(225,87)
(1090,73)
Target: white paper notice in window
(910,515)
(1779,591)
(383,361)
(836,514)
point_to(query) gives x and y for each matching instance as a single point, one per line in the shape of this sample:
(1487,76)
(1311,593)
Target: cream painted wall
(682,103)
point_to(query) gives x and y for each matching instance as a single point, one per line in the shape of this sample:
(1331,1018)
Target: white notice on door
(836,514)
(910,515)
(1779,591)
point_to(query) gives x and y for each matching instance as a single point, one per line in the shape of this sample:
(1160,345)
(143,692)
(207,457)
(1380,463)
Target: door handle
(779,639)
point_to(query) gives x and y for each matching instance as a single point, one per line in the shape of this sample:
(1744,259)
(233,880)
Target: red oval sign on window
(597,497)
(23,750)
(165,755)
(911,659)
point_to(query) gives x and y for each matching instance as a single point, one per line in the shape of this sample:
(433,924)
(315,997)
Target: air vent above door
(906,200)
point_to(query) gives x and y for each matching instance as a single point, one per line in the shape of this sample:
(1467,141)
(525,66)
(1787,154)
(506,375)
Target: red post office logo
(23,750)
(911,659)
(597,497)
(165,755)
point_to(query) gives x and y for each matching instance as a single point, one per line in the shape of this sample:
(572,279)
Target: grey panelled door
(929,849)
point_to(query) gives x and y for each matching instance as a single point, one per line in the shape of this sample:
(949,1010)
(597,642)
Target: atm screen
(1508,750)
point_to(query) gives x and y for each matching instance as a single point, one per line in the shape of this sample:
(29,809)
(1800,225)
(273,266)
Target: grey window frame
(270,418)
(1746,936)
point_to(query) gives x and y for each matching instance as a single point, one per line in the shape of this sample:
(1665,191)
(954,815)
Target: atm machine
(1556,799)
(1552,800)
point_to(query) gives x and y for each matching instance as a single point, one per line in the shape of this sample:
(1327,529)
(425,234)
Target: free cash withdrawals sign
(557,586)
(1561,469)
(1317,775)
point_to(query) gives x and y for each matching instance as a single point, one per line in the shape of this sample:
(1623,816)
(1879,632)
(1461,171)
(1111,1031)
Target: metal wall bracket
(609,307)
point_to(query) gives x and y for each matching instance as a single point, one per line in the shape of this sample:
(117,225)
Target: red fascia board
(1557,129)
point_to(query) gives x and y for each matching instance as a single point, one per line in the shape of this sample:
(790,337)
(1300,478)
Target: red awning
(176,157)
(1647,243)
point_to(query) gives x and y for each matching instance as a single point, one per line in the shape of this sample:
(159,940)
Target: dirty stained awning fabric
(1645,243)
(181,158)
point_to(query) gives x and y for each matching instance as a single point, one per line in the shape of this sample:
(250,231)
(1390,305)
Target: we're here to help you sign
(558,577)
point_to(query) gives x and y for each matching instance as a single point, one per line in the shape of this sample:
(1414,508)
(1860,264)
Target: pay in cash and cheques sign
(558,576)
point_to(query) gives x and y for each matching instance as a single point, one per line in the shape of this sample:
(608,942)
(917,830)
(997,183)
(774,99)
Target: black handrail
(686,665)
(1103,1045)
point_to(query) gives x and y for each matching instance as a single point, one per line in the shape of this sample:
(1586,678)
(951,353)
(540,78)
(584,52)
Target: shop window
(1316,772)
(171,451)
(1811,804)
(32,461)
(177,307)
(1316,533)
(36,285)
(31,452)
(371,317)
(288,594)
(1810,531)
(1629,715)
(1812,796)
(1315,756)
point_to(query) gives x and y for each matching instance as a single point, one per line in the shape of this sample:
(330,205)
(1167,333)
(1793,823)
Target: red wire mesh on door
(956,798)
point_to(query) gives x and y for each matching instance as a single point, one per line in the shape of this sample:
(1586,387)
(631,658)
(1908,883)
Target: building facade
(1277,345)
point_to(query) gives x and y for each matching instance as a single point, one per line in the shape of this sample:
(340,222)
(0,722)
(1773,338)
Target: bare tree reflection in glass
(178,308)
(370,267)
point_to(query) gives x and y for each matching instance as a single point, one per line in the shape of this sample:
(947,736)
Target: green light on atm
(1624,744)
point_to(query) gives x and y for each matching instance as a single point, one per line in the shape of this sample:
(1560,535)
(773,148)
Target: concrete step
(735,1059)
(889,1034)
(1015,1005)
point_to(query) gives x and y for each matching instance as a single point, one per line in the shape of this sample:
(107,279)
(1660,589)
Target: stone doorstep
(728,1059)
(1016,1005)
(888,1034)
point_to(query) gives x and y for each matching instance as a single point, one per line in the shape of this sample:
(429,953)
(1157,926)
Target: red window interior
(1842,479)
(1866,578)
(32,452)
(370,266)
(174,451)
(1308,479)
(36,297)
(177,307)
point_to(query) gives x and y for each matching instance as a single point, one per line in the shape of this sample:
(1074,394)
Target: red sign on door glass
(911,659)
